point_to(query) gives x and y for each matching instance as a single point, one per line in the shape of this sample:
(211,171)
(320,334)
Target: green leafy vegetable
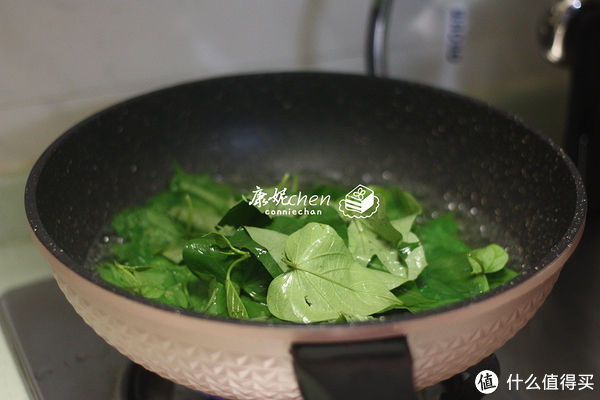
(160,280)
(489,259)
(218,196)
(201,246)
(208,255)
(235,306)
(242,214)
(147,231)
(217,301)
(364,244)
(451,275)
(256,310)
(242,239)
(329,216)
(273,241)
(399,203)
(381,224)
(324,281)
(499,278)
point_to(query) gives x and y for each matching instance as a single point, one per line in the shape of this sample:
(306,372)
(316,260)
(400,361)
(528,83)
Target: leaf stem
(236,262)
(190,207)
(288,262)
(284,180)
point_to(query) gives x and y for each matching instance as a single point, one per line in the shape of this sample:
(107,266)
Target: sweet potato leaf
(496,279)
(364,244)
(242,214)
(324,282)
(329,215)
(489,259)
(217,195)
(198,246)
(209,254)
(160,280)
(273,241)
(256,310)
(145,232)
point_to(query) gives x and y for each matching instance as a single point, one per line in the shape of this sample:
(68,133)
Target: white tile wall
(61,60)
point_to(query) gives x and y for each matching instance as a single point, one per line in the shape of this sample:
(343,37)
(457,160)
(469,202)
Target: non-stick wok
(249,129)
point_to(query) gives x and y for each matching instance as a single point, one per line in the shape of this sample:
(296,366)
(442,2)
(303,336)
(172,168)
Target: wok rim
(565,244)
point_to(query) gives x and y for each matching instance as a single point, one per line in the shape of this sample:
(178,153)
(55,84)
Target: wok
(253,128)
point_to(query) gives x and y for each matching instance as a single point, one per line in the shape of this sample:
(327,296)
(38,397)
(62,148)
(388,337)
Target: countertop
(20,263)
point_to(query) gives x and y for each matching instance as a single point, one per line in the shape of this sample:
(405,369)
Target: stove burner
(140,384)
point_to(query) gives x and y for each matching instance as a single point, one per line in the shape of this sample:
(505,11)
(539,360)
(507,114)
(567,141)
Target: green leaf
(316,277)
(242,239)
(329,216)
(412,298)
(141,222)
(489,259)
(404,224)
(256,310)
(273,241)
(252,278)
(364,244)
(208,255)
(146,232)
(256,285)
(412,253)
(399,203)
(242,214)
(200,218)
(235,307)
(217,300)
(406,262)
(324,281)
(160,280)
(286,225)
(450,277)
(198,291)
(380,223)
(219,196)
(496,279)
(174,253)
(438,237)
(355,318)
(118,275)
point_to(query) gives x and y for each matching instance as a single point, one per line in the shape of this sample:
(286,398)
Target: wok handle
(378,369)
(377,37)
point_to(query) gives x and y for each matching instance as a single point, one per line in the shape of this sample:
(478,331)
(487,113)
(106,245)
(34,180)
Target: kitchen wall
(61,60)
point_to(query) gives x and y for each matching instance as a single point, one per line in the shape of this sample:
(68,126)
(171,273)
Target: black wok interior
(257,126)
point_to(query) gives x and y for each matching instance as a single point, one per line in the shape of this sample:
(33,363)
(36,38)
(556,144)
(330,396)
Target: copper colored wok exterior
(240,361)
